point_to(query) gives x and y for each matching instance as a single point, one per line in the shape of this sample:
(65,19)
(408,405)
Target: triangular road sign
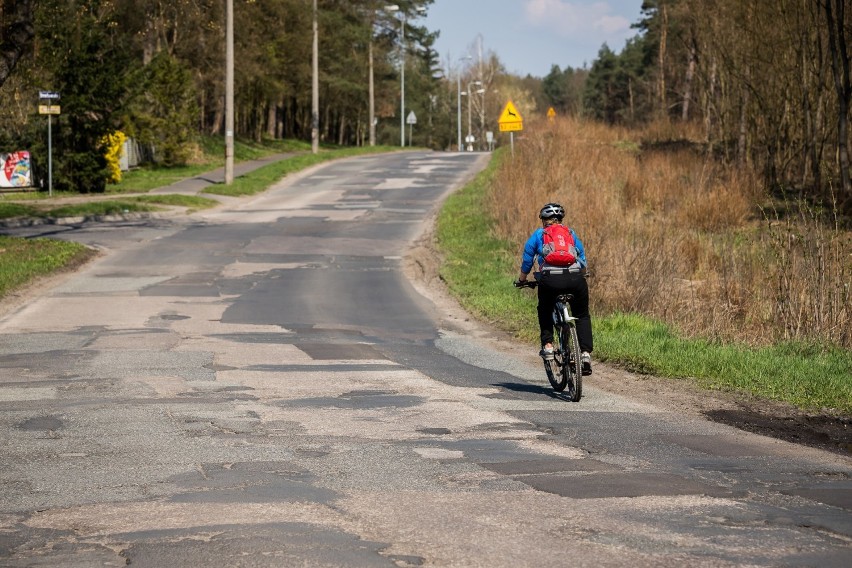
(510,114)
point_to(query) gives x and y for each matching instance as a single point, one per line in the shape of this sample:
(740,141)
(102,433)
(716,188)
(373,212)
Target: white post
(372,92)
(469,105)
(402,88)
(458,81)
(49,156)
(315,87)
(229,93)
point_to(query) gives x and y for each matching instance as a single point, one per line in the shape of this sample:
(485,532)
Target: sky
(530,36)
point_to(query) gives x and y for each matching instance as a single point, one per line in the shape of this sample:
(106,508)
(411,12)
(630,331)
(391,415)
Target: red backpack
(558,249)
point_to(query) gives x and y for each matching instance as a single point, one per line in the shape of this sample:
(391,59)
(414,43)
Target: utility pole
(229,92)
(458,120)
(372,91)
(315,88)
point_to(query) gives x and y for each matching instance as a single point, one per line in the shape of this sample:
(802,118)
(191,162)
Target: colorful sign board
(17,170)
(48,109)
(510,119)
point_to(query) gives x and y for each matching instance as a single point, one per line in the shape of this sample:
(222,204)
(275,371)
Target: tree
(563,90)
(164,112)
(90,69)
(601,97)
(17,31)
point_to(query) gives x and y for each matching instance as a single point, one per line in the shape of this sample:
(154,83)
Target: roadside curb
(20,222)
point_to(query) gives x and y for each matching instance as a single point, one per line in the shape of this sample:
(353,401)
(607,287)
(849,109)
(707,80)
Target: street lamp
(396,8)
(469,94)
(458,86)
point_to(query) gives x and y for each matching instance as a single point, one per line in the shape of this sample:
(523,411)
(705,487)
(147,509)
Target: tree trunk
(218,117)
(662,59)
(840,67)
(270,118)
(710,104)
(630,96)
(743,126)
(690,75)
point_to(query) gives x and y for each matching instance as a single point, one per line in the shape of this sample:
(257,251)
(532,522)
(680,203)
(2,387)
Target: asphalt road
(262,385)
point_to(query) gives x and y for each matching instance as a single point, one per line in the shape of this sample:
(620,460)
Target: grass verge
(24,260)
(100,207)
(479,269)
(212,157)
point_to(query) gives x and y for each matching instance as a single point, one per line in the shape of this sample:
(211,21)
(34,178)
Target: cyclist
(555,280)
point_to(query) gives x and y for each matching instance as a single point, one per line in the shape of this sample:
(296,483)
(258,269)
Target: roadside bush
(165,112)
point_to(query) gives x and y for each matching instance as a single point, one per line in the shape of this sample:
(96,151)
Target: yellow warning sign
(510,119)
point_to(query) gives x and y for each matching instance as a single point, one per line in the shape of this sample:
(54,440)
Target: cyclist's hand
(519,283)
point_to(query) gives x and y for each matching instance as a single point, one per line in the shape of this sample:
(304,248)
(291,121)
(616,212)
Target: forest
(765,84)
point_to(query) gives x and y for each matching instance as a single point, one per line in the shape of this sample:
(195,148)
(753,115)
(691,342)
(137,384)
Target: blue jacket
(532,250)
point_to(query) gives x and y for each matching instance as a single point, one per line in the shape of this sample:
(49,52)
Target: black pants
(550,286)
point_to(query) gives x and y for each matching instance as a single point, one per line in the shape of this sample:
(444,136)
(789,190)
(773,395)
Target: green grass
(24,260)
(807,376)
(479,270)
(262,178)
(147,178)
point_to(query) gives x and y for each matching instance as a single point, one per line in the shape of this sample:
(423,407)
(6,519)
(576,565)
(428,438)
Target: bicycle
(565,369)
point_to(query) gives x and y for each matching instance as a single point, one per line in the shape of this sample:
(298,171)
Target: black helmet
(552,210)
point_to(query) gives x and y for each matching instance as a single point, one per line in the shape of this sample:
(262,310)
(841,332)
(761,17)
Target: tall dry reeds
(671,233)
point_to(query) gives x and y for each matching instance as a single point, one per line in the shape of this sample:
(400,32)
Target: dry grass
(675,235)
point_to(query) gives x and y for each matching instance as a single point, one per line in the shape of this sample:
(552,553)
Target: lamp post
(396,8)
(229,92)
(469,105)
(458,86)
(370,86)
(315,84)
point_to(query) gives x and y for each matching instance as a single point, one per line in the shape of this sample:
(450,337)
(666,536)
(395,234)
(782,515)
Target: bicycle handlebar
(533,283)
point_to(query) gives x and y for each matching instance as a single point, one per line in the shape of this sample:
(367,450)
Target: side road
(190,186)
(197,184)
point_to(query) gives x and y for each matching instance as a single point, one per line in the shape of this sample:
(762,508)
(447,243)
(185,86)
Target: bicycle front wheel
(572,371)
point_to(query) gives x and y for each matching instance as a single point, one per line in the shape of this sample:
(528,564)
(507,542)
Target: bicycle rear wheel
(554,367)
(572,371)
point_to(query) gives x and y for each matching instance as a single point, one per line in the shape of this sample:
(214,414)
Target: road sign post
(49,109)
(411,120)
(511,121)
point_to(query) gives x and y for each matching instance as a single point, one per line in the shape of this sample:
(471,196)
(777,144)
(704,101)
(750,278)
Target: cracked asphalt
(264,385)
